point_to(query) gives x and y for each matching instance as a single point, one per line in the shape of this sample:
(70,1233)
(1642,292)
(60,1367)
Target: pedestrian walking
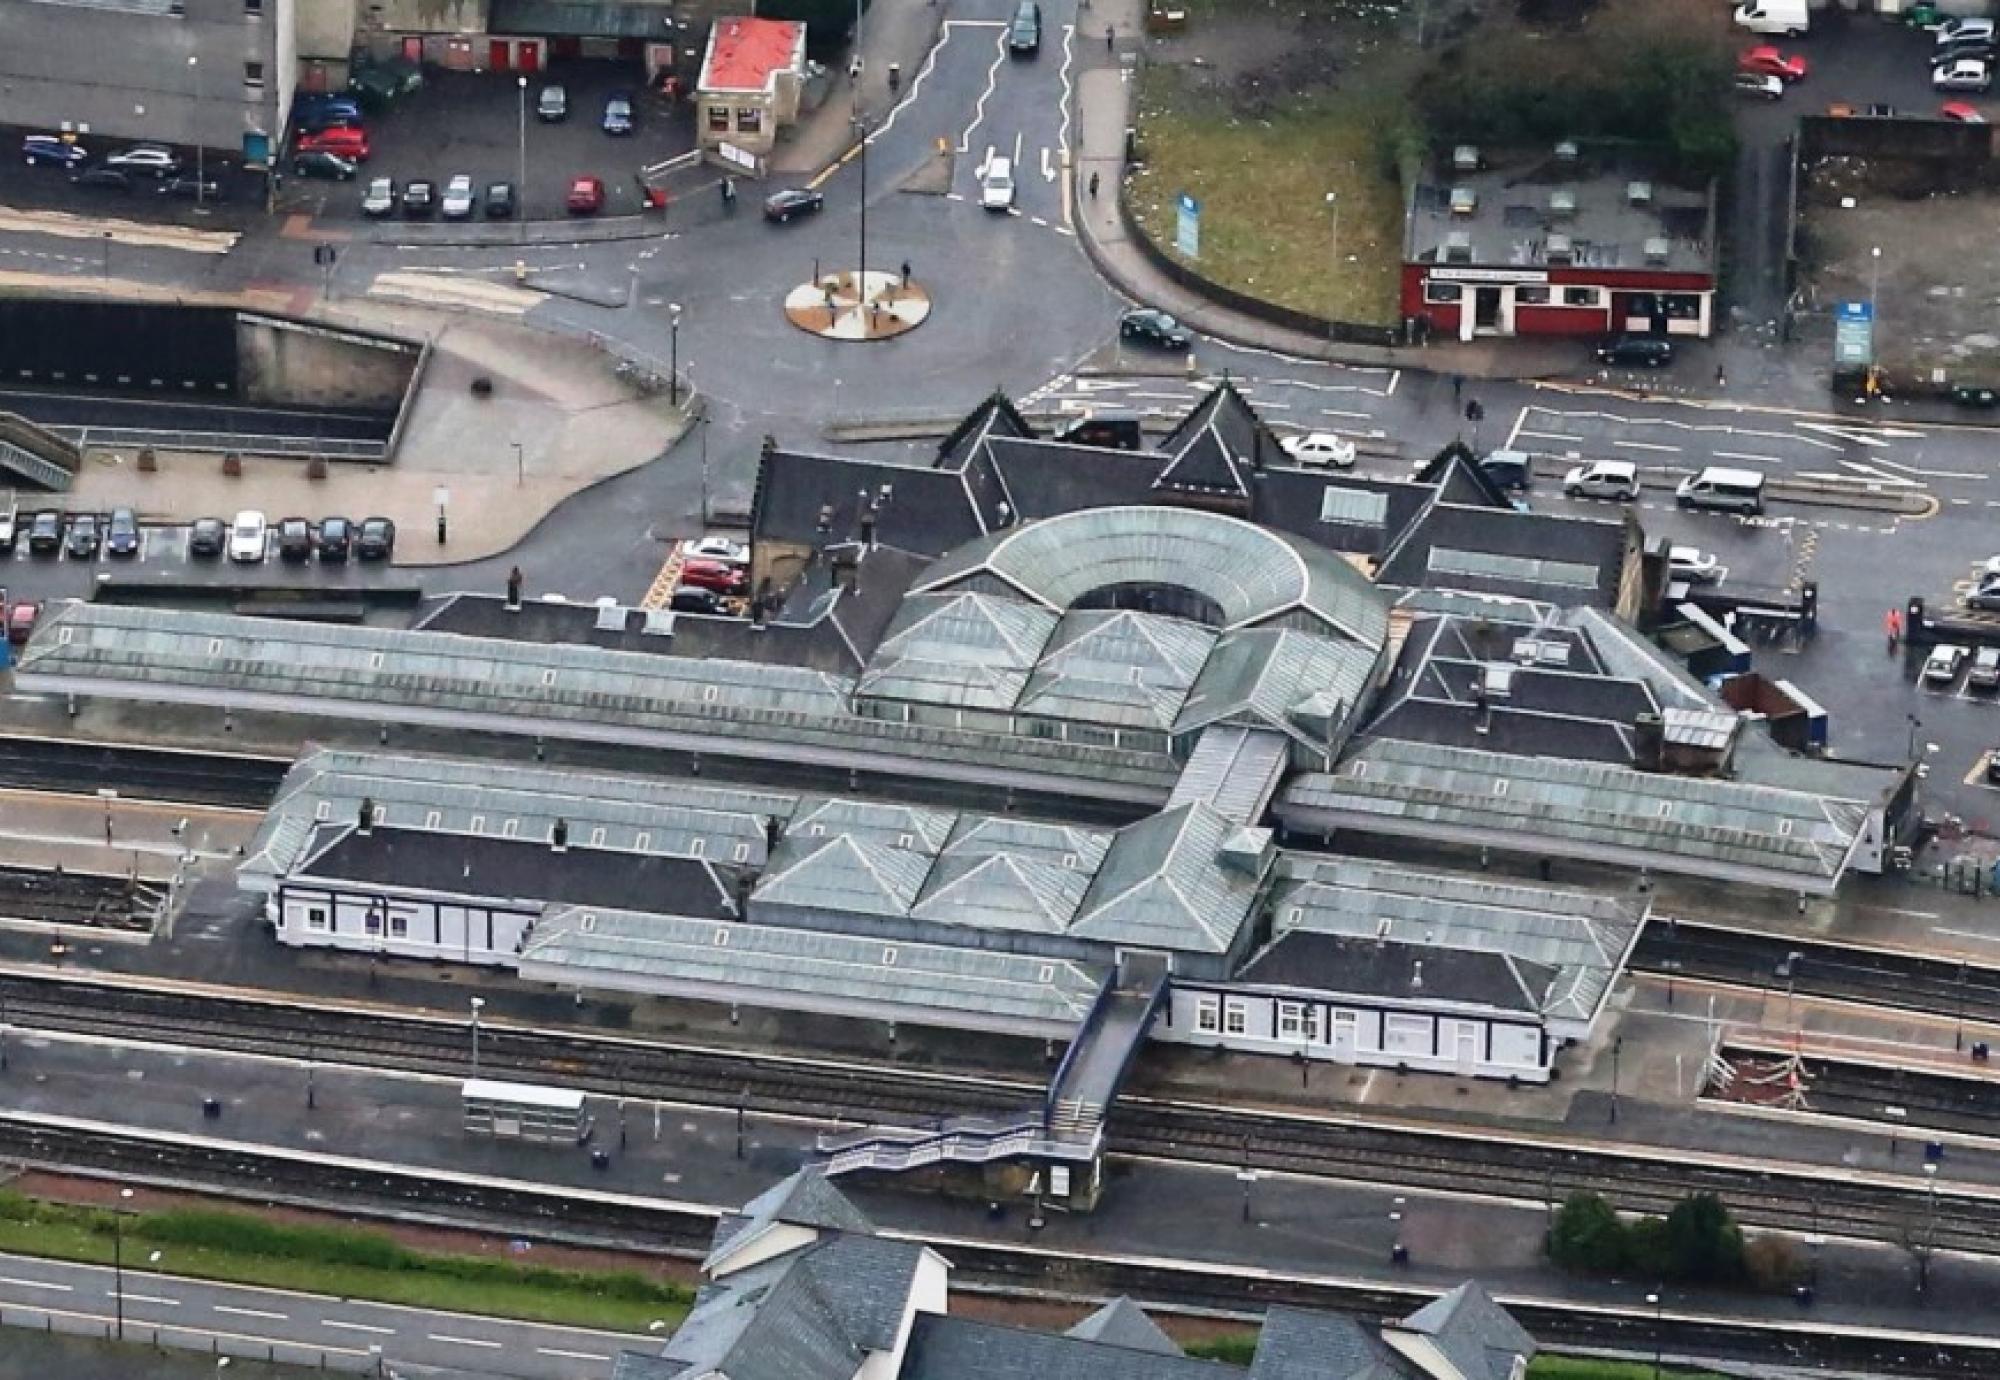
(1892,623)
(906,273)
(514,583)
(1093,186)
(1110,36)
(1720,382)
(1457,389)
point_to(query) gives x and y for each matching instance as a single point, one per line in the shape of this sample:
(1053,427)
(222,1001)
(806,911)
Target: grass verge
(241,1248)
(1266,226)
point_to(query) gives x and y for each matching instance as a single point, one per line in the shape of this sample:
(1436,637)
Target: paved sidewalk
(895,33)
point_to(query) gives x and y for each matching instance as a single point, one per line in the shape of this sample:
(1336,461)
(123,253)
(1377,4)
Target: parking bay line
(1647,445)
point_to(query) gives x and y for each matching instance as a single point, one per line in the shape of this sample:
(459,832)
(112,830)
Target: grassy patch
(241,1248)
(1266,227)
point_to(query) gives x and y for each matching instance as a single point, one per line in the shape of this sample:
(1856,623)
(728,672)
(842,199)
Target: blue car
(47,149)
(310,101)
(618,115)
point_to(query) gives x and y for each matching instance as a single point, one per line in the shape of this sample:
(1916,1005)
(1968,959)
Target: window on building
(1347,1028)
(1235,1017)
(316,917)
(1207,1015)
(253,74)
(1442,292)
(1531,295)
(1581,297)
(718,119)
(399,927)
(749,119)
(371,923)
(1406,1034)
(1291,1020)
(1681,306)
(253,7)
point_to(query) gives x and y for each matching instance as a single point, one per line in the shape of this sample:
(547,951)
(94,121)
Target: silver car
(458,199)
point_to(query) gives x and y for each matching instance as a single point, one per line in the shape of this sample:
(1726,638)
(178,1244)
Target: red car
(346,143)
(723,579)
(1766,61)
(586,196)
(1964,112)
(21,620)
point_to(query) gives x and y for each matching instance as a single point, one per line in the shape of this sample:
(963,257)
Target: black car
(121,538)
(1993,765)
(1024,35)
(1150,327)
(327,165)
(420,197)
(108,179)
(45,532)
(1640,351)
(500,201)
(192,187)
(695,599)
(207,536)
(84,537)
(295,539)
(792,203)
(336,538)
(377,540)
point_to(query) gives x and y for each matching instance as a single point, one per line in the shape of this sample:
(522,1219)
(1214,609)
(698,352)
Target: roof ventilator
(1465,158)
(1658,248)
(1639,192)
(1464,201)
(1458,247)
(1567,152)
(1560,249)
(1562,203)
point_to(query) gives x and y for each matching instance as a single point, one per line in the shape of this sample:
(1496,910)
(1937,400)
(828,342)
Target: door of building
(1465,1045)
(529,57)
(1486,310)
(499,55)
(1345,1024)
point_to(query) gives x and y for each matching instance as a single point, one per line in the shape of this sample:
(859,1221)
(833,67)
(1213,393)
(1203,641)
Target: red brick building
(1560,244)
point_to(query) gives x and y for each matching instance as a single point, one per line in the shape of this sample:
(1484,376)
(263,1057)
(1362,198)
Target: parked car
(1694,566)
(1985,596)
(996,185)
(121,536)
(419,198)
(1985,672)
(716,575)
(1612,479)
(105,179)
(694,599)
(1959,30)
(328,166)
(1718,488)
(85,536)
(8,529)
(323,102)
(1759,87)
(246,536)
(1964,112)
(336,538)
(1947,53)
(348,141)
(380,198)
(376,540)
(618,117)
(553,104)
(207,536)
(1512,471)
(725,549)
(1151,327)
(1964,74)
(295,539)
(1321,448)
(50,150)
(500,201)
(459,198)
(1024,34)
(193,187)
(1766,60)
(586,196)
(792,203)
(45,533)
(21,619)
(1941,666)
(150,160)
(1637,351)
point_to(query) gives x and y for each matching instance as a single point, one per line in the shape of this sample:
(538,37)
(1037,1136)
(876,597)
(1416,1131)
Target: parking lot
(470,123)
(48,188)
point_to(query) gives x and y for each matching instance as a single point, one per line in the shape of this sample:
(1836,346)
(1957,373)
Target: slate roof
(1295,1344)
(1115,666)
(1124,1323)
(947,1348)
(1312,961)
(1475,1334)
(1560,559)
(928,510)
(1343,512)
(1215,447)
(1163,885)
(803,1198)
(576,18)
(974,650)
(1282,678)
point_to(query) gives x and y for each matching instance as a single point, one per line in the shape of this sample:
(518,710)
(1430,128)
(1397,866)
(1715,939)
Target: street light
(1333,201)
(118,1258)
(477,1003)
(1617,1048)
(194,127)
(1653,1302)
(673,354)
(1874,315)
(861,131)
(521,178)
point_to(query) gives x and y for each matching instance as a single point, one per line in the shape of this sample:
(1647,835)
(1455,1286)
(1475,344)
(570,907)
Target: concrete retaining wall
(291,364)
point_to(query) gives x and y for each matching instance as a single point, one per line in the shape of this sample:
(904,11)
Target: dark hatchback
(45,533)
(49,149)
(1637,351)
(1024,35)
(326,165)
(84,537)
(336,538)
(104,179)
(500,201)
(121,537)
(377,541)
(792,203)
(420,198)
(1150,327)
(207,536)
(295,539)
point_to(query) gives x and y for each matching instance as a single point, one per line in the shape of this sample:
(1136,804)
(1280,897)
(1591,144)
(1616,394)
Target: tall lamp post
(1874,315)
(194,128)
(118,1258)
(521,175)
(673,354)
(861,131)
(1653,1301)
(477,1003)
(1333,204)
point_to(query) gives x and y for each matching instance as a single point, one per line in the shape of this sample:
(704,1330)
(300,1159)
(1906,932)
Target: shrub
(1773,1263)
(1702,1243)
(1587,1236)
(1235,1348)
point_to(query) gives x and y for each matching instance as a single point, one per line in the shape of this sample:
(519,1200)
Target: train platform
(709,1158)
(112,835)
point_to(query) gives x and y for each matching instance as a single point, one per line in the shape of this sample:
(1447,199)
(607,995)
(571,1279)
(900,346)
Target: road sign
(1187,226)
(1854,335)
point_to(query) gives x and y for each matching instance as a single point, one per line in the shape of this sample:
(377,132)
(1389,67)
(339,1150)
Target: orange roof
(743,53)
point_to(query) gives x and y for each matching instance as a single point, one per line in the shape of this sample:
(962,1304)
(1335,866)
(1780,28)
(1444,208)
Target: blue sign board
(1854,335)
(1187,227)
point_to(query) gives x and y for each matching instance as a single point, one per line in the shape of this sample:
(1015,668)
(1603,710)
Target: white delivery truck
(1787,17)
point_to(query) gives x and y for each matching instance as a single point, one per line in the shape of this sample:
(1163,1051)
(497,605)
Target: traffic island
(871,305)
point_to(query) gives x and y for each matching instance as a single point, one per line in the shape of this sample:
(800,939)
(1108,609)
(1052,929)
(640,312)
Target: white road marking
(1395,376)
(131,1297)
(1879,437)
(979,109)
(1747,455)
(249,1312)
(1547,436)
(1647,445)
(571,1355)
(1048,173)
(465,1341)
(337,1324)
(1870,472)
(35,1284)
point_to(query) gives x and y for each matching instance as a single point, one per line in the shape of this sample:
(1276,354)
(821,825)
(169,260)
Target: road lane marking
(131,1297)
(1748,455)
(464,1341)
(35,1284)
(992,80)
(570,1355)
(250,1312)
(1647,445)
(357,1327)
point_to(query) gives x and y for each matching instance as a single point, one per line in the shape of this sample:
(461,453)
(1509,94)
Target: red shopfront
(1464,301)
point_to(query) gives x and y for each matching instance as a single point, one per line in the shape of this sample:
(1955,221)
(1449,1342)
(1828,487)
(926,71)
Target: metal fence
(303,447)
(365,1360)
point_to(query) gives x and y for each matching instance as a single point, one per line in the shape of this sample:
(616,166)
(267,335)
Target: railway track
(1926,1100)
(80,898)
(1476,1161)
(168,775)
(580,1216)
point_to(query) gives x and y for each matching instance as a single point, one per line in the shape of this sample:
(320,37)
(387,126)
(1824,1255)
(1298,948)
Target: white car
(246,536)
(1760,85)
(1321,448)
(1612,479)
(725,549)
(1964,31)
(458,199)
(1941,666)
(996,185)
(1965,74)
(1695,567)
(1985,673)
(155,159)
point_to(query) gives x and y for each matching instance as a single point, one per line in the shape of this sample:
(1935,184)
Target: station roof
(1312,960)
(974,650)
(1164,883)
(1697,826)
(1233,770)
(925,982)
(747,54)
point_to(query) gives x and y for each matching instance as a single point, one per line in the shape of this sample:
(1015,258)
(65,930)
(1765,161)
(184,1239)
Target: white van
(1787,17)
(1613,479)
(1724,490)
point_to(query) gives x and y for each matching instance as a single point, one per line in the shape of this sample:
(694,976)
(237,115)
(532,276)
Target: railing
(332,447)
(1083,1030)
(963,1140)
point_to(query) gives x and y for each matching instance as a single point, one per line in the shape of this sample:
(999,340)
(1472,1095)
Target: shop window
(1580,297)
(749,119)
(1291,1020)
(1406,1034)
(1681,306)
(1442,292)
(718,119)
(1533,295)
(1207,1015)
(1235,1017)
